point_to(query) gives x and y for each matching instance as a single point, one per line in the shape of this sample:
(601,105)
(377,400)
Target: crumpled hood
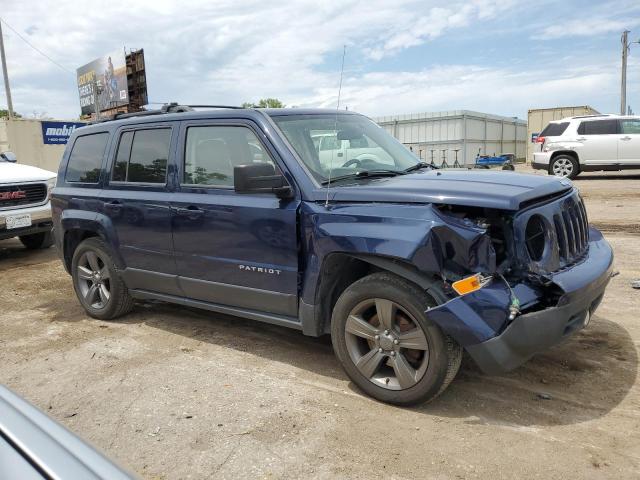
(492,189)
(16,172)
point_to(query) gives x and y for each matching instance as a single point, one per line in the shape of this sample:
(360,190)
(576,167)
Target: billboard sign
(58,133)
(109,75)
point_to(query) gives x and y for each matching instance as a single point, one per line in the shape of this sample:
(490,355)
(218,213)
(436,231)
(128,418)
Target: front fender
(414,234)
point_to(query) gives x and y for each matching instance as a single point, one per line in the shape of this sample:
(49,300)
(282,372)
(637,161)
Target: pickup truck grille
(553,235)
(22,194)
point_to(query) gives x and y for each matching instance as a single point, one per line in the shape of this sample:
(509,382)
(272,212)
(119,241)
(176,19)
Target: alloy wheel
(386,344)
(562,167)
(94,280)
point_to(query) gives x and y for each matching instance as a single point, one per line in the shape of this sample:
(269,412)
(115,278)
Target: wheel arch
(341,269)
(569,153)
(80,225)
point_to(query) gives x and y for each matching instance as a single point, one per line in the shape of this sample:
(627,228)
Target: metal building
(538,118)
(442,136)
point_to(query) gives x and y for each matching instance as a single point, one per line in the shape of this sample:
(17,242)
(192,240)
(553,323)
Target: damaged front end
(541,275)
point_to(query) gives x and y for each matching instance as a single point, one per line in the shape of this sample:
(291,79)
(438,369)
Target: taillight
(540,140)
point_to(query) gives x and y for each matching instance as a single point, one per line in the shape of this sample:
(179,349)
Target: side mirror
(9,157)
(260,178)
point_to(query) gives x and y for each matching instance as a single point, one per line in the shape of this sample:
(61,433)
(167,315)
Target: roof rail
(172,107)
(594,115)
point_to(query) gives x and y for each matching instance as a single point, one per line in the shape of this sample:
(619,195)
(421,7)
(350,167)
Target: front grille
(572,230)
(22,194)
(553,235)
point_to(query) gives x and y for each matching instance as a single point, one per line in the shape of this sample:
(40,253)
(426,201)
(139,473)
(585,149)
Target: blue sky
(403,56)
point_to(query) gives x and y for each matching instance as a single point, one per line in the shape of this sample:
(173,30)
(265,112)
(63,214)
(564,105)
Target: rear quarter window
(554,129)
(85,160)
(598,127)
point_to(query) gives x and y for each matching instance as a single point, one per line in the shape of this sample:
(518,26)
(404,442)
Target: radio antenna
(335,125)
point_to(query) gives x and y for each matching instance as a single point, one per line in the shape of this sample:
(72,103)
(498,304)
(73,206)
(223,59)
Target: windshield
(350,145)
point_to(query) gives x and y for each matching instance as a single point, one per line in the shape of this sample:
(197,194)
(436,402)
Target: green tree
(4,113)
(265,103)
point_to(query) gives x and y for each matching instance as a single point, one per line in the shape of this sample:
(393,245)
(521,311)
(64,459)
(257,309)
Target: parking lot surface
(171,392)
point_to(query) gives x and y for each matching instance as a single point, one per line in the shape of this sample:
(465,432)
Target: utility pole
(623,83)
(5,74)
(626,46)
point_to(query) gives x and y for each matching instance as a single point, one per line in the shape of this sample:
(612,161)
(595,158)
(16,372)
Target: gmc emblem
(18,194)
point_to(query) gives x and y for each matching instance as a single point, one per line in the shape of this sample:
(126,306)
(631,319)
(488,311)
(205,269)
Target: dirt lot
(171,392)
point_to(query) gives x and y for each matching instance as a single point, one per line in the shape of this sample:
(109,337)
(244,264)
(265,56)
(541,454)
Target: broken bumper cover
(479,321)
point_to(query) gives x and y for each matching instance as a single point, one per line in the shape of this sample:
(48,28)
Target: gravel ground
(171,392)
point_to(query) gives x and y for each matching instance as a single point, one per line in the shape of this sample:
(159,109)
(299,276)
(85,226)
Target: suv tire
(97,282)
(373,322)
(36,241)
(564,166)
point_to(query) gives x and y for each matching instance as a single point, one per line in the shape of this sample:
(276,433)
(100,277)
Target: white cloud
(415,29)
(586,27)
(227,51)
(506,91)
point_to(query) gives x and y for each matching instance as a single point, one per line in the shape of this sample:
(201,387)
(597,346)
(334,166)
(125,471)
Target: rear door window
(85,161)
(631,127)
(142,156)
(598,127)
(554,129)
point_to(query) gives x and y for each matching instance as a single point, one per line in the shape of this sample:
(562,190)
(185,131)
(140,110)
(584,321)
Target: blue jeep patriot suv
(321,221)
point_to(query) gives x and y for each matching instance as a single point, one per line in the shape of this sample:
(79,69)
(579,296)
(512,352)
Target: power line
(36,48)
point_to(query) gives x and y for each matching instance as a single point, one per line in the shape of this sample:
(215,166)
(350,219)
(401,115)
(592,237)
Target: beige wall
(538,118)
(24,138)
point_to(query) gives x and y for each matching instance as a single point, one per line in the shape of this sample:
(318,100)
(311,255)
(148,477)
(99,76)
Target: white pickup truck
(334,152)
(25,210)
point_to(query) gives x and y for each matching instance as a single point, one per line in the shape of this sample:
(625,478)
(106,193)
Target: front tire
(97,282)
(564,166)
(37,241)
(386,344)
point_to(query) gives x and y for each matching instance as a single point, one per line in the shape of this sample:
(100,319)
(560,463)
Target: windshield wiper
(419,166)
(366,174)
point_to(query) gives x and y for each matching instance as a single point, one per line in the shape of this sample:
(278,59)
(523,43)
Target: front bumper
(541,160)
(479,320)
(40,221)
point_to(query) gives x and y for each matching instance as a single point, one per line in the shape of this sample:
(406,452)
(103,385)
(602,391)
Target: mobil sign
(58,133)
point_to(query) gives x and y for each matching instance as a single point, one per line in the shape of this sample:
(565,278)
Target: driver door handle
(114,206)
(191,212)
(625,138)
(582,139)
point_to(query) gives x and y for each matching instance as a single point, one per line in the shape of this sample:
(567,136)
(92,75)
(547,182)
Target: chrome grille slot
(572,230)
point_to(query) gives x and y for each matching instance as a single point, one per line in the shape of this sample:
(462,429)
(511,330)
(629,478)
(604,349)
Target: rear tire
(97,282)
(403,361)
(564,166)
(37,241)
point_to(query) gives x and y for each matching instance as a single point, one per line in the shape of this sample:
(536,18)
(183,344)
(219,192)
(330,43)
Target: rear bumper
(40,221)
(541,160)
(479,321)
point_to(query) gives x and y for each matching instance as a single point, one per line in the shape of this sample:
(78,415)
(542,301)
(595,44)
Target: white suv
(589,143)
(25,209)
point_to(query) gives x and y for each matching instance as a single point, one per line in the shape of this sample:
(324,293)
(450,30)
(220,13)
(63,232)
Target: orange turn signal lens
(467,285)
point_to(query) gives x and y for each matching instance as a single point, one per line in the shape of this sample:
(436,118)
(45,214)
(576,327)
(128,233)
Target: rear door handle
(582,139)
(191,211)
(114,206)
(625,138)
